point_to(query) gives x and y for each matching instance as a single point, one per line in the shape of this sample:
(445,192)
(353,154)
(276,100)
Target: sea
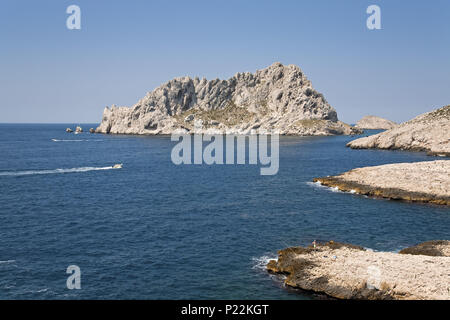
(156,230)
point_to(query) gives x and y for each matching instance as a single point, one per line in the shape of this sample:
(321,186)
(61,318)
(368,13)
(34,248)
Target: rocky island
(373,122)
(276,99)
(426,181)
(428,132)
(346,271)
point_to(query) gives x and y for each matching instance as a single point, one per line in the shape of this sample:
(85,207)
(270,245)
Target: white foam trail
(7,261)
(74,140)
(261,262)
(55,171)
(335,189)
(56,140)
(316,184)
(332,189)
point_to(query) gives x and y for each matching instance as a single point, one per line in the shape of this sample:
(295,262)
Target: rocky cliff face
(278,98)
(373,122)
(427,132)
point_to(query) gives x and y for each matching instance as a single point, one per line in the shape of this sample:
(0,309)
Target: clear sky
(124,49)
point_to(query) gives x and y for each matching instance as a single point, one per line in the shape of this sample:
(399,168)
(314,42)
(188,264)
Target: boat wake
(55,171)
(74,140)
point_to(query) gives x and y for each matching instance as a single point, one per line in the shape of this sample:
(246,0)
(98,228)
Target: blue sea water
(154,230)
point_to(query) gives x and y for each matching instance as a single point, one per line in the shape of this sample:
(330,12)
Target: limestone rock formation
(276,99)
(78,129)
(373,122)
(428,132)
(426,181)
(68,130)
(351,272)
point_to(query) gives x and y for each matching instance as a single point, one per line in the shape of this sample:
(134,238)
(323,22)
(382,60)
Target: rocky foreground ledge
(346,271)
(277,99)
(427,181)
(428,132)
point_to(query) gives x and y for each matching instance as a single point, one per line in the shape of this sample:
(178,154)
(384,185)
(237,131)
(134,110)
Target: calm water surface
(153,230)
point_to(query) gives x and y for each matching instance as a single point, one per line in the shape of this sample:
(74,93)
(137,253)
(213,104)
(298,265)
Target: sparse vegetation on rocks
(230,115)
(274,99)
(434,248)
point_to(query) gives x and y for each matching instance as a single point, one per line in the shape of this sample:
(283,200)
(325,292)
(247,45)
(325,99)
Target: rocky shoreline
(277,99)
(346,271)
(426,181)
(429,132)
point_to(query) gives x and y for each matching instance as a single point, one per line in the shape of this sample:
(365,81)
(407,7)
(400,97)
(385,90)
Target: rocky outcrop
(91,130)
(434,248)
(426,181)
(428,132)
(373,122)
(276,99)
(68,130)
(78,129)
(351,272)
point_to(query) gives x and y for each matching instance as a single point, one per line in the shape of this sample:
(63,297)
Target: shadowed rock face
(428,132)
(435,248)
(278,98)
(373,122)
(426,181)
(350,272)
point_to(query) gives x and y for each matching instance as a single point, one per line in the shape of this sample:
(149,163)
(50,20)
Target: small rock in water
(91,130)
(69,130)
(79,129)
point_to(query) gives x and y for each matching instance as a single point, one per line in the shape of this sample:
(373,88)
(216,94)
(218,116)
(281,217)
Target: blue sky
(127,48)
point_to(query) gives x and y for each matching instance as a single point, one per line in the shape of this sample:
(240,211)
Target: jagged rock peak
(277,98)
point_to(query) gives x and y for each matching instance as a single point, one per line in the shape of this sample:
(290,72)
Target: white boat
(117,166)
